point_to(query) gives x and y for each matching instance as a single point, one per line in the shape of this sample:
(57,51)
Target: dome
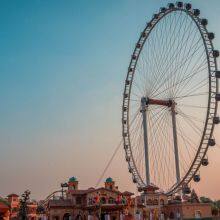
(73,179)
(4,201)
(109,180)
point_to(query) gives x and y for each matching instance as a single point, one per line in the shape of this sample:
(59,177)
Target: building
(189,211)
(106,202)
(13,200)
(150,204)
(4,209)
(14,205)
(154,204)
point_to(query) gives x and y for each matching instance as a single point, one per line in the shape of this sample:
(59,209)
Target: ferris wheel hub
(145,101)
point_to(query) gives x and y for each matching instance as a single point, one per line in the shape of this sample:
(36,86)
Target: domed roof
(4,201)
(73,179)
(109,180)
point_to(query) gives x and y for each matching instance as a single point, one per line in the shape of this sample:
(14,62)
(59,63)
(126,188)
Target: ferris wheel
(170,100)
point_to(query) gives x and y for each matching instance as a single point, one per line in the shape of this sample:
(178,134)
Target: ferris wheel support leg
(173,113)
(143,111)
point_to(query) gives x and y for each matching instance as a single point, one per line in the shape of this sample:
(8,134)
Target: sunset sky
(62,69)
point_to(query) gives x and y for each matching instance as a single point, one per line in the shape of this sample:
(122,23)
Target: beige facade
(105,203)
(108,203)
(189,210)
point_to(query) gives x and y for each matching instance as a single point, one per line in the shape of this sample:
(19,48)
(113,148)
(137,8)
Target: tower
(110,184)
(73,183)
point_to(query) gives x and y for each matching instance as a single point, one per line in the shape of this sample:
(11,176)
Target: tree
(194,197)
(217,203)
(23,210)
(214,211)
(205,199)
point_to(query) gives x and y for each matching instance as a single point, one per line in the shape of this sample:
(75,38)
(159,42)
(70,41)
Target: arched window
(103,200)
(155,202)
(78,217)
(161,202)
(1,216)
(78,200)
(198,214)
(66,216)
(111,200)
(149,202)
(14,209)
(171,215)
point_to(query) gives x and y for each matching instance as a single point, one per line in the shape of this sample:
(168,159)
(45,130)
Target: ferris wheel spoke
(186,52)
(167,155)
(141,68)
(176,70)
(191,88)
(176,52)
(135,94)
(195,94)
(194,127)
(169,44)
(134,129)
(161,161)
(189,155)
(134,100)
(155,126)
(134,116)
(188,76)
(139,151)
(134,140)
(157,59)
(187,69)
(133,126)
(137,89)
(179,82)
(190,144)
(180,43)
(154,134)
(190,91)
(191,117)
(188,79)
(155,65)
(141,90)
(163,47)
(194,70)
(176,60)
(192,106)
(144,65)
(187,139)
(155,72)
